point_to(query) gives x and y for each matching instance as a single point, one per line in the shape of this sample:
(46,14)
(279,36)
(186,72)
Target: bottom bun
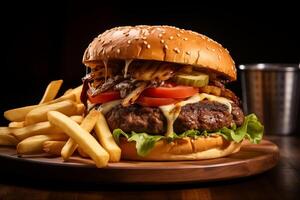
(214,146)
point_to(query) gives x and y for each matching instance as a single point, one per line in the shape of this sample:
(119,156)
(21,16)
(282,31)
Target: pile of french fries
(58,127)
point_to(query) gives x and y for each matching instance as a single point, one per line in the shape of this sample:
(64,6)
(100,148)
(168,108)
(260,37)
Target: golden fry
(6,138)
(87,124)
(77,92)
(106,139)
(41,128)
(16,124)
(19,114)
(5,130)
(68,91)
(80,108)
(40,114)
(51,91)
(53,147)
(83,138)
(34,144)
(82,153)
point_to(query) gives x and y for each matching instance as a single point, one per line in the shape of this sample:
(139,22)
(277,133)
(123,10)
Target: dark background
(45,41)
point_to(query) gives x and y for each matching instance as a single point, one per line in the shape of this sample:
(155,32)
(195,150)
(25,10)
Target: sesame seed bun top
(160,43)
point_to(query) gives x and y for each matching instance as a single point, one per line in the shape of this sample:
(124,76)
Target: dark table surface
(281,182)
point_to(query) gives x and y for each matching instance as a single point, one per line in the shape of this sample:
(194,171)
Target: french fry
(19,114)
(68,91)
(51,91)
(82,153)
(70,96)
(83,138)
(53,147)
(40,114)
(41,128)
(87,124)
(5,130)
(34,144)
(16,124)
(8,140)
(77,92)
(5,137)
(80,108)
(106,139)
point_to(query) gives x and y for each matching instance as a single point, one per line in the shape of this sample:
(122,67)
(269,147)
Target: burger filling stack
(161,90)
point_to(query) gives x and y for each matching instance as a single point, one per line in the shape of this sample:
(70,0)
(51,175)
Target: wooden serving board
(250,160)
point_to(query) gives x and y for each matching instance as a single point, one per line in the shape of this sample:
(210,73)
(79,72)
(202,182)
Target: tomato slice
(177,92)
(154,102)
(104,97)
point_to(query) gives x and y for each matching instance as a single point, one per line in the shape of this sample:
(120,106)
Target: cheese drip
(171,112)
(127,63)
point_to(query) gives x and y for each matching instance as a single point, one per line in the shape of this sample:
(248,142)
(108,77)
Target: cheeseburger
(161,90)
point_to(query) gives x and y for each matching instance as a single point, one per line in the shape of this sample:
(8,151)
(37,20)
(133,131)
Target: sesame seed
(185,39)
(166,46)
(162,41)
(129,41)
(226,50)
(178,35)
(145,42)
(118,51)
(181,31)
(213,50)
(176,50)
(188,53)
(171,37)
(144,38)
(160,35)
(148,46)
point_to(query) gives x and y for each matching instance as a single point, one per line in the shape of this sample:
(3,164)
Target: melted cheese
(127,63)
(106,107)
(171,112)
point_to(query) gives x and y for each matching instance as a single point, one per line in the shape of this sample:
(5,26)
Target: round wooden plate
(252,159)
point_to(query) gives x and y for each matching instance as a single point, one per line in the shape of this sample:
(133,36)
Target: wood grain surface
(252,159)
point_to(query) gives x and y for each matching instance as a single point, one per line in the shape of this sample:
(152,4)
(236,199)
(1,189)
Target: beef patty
(204,115)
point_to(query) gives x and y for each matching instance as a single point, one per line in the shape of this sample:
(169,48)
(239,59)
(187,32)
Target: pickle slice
(198,80)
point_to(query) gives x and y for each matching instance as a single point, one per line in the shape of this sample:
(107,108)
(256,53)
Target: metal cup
(271,91)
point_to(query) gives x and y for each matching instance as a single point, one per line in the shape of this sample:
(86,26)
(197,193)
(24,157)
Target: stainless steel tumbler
(271,91)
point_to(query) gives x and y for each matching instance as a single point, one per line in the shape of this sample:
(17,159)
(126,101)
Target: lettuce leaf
(117,133)
(144,142)
(255,129)
(251,129)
